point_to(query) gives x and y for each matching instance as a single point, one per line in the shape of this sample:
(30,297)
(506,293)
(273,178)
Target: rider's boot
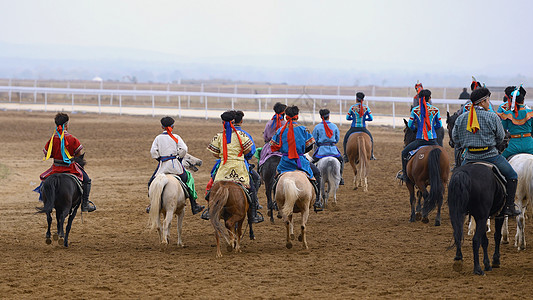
(342,170)
(254,217)
(404,176)
(345,158)
(509,208)
(205,214)
(196,208)
(86,205)
(318,206)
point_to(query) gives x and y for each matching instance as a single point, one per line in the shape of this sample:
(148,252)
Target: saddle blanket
(74,177)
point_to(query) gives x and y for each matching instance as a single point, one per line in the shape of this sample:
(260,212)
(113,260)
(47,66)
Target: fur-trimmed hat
(479,94)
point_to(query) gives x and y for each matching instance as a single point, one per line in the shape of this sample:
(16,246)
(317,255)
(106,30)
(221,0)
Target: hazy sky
(440,35)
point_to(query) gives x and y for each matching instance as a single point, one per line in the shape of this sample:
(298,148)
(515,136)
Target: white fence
(204,104)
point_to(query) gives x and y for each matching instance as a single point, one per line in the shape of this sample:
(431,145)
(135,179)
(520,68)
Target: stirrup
(205,214)
(89,207)
(258,218)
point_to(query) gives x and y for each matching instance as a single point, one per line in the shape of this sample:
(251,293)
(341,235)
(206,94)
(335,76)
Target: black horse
(475,190)
(62,192)
(268,174)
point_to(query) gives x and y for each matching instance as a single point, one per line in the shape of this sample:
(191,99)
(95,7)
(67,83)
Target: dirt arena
(364,249)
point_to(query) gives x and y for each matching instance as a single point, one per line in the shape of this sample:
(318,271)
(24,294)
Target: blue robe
(303,140)
(326,145)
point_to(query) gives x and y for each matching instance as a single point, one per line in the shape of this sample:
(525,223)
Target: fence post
(259,109)
(233,99)
(314,110)
(35,91)
(9,90)
(72,110)
(120,104)
(153,106)
(100,98)
(340,106)
(168,89)
(205,98)
(393,114)
(179,106)
(45,102)
(286,93)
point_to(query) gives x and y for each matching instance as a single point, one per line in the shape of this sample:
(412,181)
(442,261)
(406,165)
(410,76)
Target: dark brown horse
(358,150)
(228,202)
(430,166)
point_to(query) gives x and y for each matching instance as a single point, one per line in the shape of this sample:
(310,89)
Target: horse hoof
(418,216)
(55,236)
(269,213)
(300,238)
(288,245)
(503,242)
(48,241)
(458,265)
(425,220)
(479,272)
(229,248)
(252,237)
(488,268)
(354,188)
(292,236)
(60,241)
(437,223)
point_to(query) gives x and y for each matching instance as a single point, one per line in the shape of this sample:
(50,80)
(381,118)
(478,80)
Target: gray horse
(330,168)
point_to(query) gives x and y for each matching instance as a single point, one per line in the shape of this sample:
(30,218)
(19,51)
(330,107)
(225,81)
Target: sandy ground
(365,248)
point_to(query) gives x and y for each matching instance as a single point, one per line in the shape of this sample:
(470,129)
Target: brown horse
(228,201)
(358,150)
(294,193)
(429,166)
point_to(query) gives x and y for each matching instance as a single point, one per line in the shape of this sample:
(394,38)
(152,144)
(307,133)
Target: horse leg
(58,224)
(230,226)
(291,227)
(412,200)
(485,245)
(288,242)
(239,234)
(48,234)
(497,239)
(61,225)
(219,253)
(471,225)
(180,216)
(520,239)
(476,242)
(425,194)
(69,225)
(303,237)
(366,185)
(418,206)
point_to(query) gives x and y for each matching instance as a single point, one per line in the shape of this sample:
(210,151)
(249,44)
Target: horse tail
(435,181)
(458,196)
(49,190)
(217,201)
(156,191)
(291,193)
(362,156)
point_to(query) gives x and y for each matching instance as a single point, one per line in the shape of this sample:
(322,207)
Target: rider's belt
(165,158)
(326,144)
(480,149)
(517,136)
(60,163)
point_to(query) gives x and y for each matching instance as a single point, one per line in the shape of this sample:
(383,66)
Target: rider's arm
(368,115)
(499,132)
(349,115)
(154,151)
(437,121)
(182,147)
(455,135)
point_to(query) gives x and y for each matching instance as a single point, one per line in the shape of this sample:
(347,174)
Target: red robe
(73,146)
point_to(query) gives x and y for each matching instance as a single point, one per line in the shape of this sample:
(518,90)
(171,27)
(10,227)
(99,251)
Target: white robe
(164,145)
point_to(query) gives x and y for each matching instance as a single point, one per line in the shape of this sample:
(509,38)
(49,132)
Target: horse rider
(277,121)
(231,146)
(293,141)
(418,88)
(169,149)
(479,132)
(359,114)
(518,120)
(426,119)
(326,135)
(62,147)
(468,104)
(254,176)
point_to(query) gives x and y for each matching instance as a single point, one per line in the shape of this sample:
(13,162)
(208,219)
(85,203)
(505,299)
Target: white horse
(523,165)
(168,198)
(330,170)
(293,194)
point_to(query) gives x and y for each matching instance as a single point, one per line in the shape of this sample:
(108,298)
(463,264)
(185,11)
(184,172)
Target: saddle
(413,152)
(74,177)
(501,179)
(183,186)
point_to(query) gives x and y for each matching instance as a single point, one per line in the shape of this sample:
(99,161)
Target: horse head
(450,122)
(191,163)
(409,135)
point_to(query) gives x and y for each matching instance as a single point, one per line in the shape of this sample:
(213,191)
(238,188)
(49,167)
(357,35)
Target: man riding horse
(62,147)
(277,121)
(326,135)
(169,149)
(517,118)
(231,146)
(479,132)
(425,118)
(293,141)
(359,114)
